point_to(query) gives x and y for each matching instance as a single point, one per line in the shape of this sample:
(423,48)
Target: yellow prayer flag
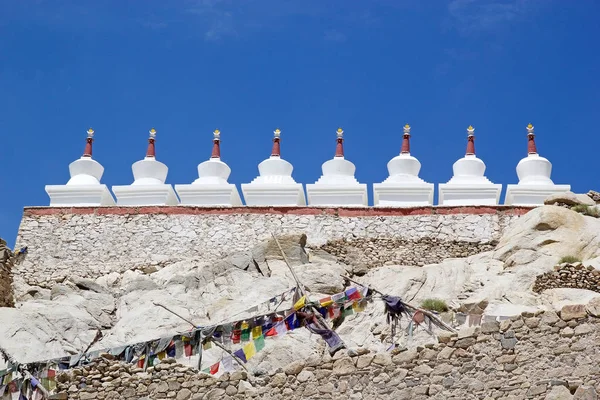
(256,332)
(326,302)
(300,303)
(162,355)
(359,306)
(249,350)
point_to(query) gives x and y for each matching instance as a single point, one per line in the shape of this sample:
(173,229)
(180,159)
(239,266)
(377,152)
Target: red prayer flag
(187,348)
(214,368)
(271,332)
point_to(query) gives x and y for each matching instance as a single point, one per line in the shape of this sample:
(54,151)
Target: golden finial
(216,134)
(277,132)
(407,129)
(470,130)
(90,132)
(340,132)
(530,129)
(152,133)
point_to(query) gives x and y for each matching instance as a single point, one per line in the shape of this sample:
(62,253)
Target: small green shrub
(569,260)
(434,305)
(586,210)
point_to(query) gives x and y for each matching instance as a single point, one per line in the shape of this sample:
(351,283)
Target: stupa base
(79,195)
(262,194)
(145,195)
(337,195)
(531,195)
(224,195)
(469,195)
(398,195)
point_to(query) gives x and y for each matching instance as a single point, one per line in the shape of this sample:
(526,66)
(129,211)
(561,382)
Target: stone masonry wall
(572,276)
(91,242)
(532,356)
(375,252)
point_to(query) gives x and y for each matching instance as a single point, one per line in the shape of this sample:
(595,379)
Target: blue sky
(248,67)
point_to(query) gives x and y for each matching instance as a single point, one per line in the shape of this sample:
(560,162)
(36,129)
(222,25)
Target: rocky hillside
(496,282)
(6,261)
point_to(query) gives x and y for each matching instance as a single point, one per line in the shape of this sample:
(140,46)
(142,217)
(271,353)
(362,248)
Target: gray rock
(585,393)
(570,199)
(559,393)
(573,311)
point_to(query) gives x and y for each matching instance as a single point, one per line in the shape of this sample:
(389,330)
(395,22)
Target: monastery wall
(91,242)
(532,356)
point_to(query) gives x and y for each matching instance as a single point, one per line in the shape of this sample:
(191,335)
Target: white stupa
(211,188)
(84,187)
(274,186)
(337,186)
(534,178)
(149,187)
(403,187)
(468,185)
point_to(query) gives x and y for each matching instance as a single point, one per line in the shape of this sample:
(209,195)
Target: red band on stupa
(216,150)
(339,148)
(151,152)
(531,149)
(88,147)
(276,148)
(471,145)
(405,144)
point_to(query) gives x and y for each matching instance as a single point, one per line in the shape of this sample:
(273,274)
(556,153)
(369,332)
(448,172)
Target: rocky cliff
(63,316)
(6,281)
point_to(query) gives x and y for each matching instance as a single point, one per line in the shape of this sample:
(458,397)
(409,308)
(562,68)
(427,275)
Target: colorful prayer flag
(256,332)
(206,345)
(227,363)
(353,294)
(240,354)
(249,350)
(259,343)
(236,336)
(359,306)
(339,298)
(300,303)
(348,311)
(214,368)
(281,328)
(325,302)
(187,349)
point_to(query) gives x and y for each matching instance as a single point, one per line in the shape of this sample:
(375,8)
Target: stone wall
(573,276)
(91,242)
(6,264)
(532,356)
(375,252)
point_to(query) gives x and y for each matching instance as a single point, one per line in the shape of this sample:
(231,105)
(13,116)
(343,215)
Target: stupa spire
(216,150)
(470,141)
(531,149)
(151,152)
(88,143)
(276,152)
(406,140)
(339,148)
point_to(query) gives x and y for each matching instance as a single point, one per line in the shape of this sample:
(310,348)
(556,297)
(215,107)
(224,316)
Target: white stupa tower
(149,187)
(403,187)
(274,186)
(468,185)
(337,186)
(84,187)
(534,178)
(211,188)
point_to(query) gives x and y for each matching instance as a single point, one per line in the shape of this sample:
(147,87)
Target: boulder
(593,307)
(573,311)
(559,393)
(569,199)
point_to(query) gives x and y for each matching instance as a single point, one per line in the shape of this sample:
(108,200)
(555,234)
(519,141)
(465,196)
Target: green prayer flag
(259,343)
(245,335)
